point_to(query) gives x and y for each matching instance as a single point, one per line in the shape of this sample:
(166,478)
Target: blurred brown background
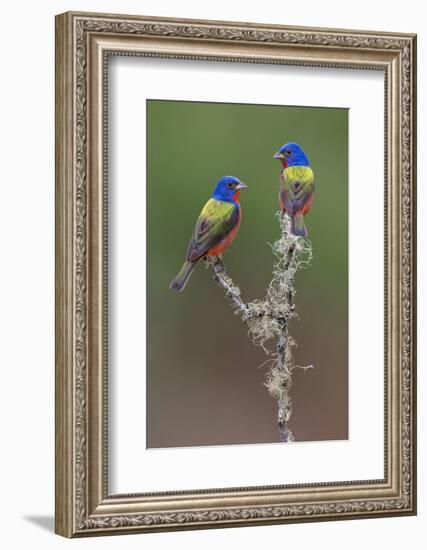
(205,384)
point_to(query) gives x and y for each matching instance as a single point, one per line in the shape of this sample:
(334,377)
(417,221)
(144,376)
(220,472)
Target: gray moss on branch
(268,319)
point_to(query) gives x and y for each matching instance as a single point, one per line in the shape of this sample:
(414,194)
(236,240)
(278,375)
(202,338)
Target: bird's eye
(230,185)
(288,152)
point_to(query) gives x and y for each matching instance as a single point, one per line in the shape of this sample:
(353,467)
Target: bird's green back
(303,174)
(216,211)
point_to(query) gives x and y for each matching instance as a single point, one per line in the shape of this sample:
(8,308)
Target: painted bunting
(296,186)
(216,228)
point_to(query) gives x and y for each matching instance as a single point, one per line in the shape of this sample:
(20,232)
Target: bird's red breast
(226,242)
(307,207)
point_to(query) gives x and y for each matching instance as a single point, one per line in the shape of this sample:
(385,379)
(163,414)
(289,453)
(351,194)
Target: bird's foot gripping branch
(268,319)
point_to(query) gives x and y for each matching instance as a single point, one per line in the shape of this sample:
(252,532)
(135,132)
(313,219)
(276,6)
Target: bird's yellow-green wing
(215,222)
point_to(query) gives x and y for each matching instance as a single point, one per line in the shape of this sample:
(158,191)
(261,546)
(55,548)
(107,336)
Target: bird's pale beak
(241,185)
(278,155)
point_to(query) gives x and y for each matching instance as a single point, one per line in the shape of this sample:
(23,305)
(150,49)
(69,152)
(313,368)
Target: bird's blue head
(291,154)
(228,189)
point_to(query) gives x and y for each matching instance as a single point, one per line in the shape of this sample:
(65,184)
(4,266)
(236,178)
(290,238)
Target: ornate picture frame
(84,42)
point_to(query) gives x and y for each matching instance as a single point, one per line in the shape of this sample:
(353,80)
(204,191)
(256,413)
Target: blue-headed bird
(296,186)
(216,227)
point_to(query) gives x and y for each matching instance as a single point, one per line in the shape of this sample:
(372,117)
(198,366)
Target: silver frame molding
(83,43)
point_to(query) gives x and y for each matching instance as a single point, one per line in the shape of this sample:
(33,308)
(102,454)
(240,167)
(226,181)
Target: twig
(284,401)
(269,318)
(232,291)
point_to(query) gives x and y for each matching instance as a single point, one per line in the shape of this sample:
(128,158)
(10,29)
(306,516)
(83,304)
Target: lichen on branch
(268,318)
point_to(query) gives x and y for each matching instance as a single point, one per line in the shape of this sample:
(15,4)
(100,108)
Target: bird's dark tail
(181,279)
(298,227)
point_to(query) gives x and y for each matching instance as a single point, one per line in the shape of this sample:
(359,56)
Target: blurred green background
(205,383)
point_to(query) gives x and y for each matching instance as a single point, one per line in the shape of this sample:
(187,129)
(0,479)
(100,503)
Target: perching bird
(215,229)
(296,186)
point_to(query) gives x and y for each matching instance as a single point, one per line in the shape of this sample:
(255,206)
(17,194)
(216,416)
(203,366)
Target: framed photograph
(235,274)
